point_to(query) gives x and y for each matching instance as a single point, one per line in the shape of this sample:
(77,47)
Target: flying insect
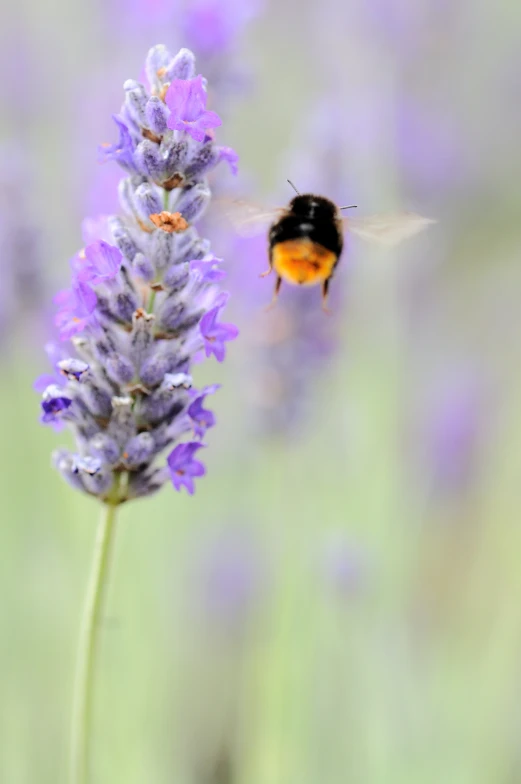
(306,239)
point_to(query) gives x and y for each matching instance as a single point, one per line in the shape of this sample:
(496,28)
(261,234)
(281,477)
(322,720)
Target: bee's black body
(306,242)
(310,217)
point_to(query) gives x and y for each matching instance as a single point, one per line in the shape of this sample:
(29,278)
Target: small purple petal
(183,468)
(216,334)
(208,269)
(202,418)
(231,158)
(186,99)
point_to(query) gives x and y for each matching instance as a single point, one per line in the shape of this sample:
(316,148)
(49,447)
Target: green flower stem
(151,301)
(88,647)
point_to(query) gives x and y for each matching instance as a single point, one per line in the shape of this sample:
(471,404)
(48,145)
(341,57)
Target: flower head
(143,301)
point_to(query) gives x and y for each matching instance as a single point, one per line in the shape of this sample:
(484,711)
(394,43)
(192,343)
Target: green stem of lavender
(88,646)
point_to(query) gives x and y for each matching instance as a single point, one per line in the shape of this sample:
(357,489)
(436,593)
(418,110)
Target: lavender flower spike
(144,300)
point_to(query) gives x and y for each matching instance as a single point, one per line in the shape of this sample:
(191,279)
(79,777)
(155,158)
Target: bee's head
(306,205)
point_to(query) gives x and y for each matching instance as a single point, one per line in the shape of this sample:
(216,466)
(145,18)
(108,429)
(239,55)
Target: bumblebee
(306,242)
(306,239)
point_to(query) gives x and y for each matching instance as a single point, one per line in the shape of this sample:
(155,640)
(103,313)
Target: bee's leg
(278,284)
(325,290)
(266,272)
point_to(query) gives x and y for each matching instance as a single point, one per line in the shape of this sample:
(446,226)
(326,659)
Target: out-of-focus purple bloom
(216,334)
(453,431)
(77,306)
(229,579)
(212,26)
(136,310)
(22,249)
(97,263)
(122,151)
(208,269)
(95,229)
(202,418)
(183,467)
(186,99)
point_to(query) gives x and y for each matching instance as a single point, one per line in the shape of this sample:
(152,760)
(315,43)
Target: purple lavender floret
(144,300)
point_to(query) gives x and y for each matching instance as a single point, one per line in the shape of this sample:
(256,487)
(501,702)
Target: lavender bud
(177,277)
(98,400)
(206,158)
(126,194)
(146,483)
(156,115)
(172,313)
(122,238)
(64,464)
(136,101)
(141,337)
(182,66)
(174,161)
(96,476)
(122,424)
(105,448)
(119,368)
(73,369)
(147,201)
(193,202)
(197,250)
(171,396)
(149,161)
(143,267)
(158,59)
(153,369)
(162,249)
(139,450)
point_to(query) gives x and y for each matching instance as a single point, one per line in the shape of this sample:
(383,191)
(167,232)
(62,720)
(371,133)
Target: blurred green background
(341,599)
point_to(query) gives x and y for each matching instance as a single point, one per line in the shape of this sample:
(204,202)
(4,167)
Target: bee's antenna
(351,207)
(296,191)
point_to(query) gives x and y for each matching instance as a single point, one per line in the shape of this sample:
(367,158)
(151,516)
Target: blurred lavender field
(340,600)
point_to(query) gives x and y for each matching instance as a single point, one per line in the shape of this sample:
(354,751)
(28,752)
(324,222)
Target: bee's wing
(249,219)
(388,228)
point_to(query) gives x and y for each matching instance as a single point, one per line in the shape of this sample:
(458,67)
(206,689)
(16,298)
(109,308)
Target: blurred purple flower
(229,577)
(22,293)
(186,99)
(98,263)
(454,427)
(76,308)
(213,26)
